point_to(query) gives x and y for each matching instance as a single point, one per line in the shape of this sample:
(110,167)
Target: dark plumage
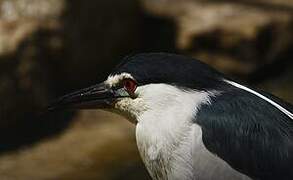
(173,69)
(249,133)
(194,123)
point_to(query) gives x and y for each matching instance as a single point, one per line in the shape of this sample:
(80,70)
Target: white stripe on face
(114,80)
(285,111)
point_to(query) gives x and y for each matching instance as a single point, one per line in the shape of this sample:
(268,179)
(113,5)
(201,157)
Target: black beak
(97,96)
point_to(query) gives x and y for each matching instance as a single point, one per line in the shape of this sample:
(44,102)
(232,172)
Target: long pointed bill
(97,96)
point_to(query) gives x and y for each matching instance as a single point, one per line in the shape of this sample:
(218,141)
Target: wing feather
(249,133)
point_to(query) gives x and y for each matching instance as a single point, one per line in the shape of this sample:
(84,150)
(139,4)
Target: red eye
(130,85)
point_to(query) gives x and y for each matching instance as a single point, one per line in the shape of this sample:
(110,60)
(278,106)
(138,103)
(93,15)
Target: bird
(193,122)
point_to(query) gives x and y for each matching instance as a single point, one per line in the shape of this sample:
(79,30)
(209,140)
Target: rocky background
(51,47)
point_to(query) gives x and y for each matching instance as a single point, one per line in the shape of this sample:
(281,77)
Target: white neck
(166,124)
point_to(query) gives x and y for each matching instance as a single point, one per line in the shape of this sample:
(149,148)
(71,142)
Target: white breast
(184,160)
(171,144)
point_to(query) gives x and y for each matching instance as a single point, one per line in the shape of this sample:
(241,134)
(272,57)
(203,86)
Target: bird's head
(145,82)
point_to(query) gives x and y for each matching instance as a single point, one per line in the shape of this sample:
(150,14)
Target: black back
(249,133)
(171,69)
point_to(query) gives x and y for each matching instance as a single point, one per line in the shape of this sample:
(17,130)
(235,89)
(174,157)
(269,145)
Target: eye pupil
(128,85)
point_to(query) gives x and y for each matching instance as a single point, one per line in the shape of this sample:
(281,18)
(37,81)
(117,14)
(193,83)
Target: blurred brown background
(51,47)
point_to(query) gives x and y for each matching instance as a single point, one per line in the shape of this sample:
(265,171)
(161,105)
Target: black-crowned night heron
(194,123)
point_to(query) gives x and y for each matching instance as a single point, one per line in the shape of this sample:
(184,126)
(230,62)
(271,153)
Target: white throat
(165,106)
